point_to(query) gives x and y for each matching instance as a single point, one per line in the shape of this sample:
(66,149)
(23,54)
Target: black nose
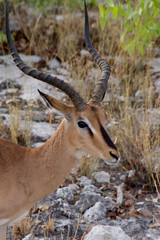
(114,156)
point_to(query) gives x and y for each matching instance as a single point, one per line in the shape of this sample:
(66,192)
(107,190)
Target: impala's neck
(52,162)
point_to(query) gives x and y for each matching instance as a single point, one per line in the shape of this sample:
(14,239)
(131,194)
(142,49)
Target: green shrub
(3,37)
(139,22)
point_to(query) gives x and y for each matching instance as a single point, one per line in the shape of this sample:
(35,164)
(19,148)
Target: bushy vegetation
(139,22)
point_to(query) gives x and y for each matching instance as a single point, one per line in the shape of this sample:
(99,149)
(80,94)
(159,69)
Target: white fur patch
(79,154)
(3,221)
(89,125)
(20,218)
(113,162)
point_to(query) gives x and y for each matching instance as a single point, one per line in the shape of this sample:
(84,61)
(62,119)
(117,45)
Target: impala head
(84,121)
(85,129)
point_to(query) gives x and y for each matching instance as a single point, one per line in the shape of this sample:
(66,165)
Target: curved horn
(101,86)
(65,87)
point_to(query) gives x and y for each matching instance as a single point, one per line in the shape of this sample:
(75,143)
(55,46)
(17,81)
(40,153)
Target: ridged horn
(101,85)
(56,82)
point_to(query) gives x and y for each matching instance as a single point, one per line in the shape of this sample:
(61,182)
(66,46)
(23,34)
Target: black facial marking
(90,132)
(106,137)
(113,155)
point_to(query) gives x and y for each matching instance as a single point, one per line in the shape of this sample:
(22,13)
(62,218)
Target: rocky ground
(110,205)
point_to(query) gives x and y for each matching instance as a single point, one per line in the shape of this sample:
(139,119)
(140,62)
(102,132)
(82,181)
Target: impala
(28,175)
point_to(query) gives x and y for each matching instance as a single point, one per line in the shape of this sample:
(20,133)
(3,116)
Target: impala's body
(28,175)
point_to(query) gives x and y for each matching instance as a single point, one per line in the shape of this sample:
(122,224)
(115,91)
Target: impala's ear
(58,105)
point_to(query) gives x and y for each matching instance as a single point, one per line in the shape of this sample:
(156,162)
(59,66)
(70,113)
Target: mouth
(113,162)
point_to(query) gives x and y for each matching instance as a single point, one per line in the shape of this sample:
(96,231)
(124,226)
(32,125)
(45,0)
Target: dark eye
(82,124)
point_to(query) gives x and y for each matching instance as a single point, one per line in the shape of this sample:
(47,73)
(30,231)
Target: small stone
(65,193)
(39,238)
(84,181)
(131,173)
(102,177)
(152,234)
(122,177)
(157,85)
(108,203)
(28,237)
(62,223)
(54,63)
(64,72)
(62,203)
(101,232)
(74,188)
(92,188)
(85,54)
(87,200)
(95,213)
(141,93)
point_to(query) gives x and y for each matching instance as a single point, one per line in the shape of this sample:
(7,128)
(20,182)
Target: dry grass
(22,228)
(20,132)
(50,226)
(88,165)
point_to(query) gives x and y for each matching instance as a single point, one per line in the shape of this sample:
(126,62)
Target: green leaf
(139,23)
(122,36)
(155,13)
(156,3)
(110,3)
(101,9)
(121,11)
(3,37)
(102,23)
(115,11)
(140,48)
(107,13)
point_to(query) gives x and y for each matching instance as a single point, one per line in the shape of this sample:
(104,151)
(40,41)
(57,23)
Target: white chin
(113,162)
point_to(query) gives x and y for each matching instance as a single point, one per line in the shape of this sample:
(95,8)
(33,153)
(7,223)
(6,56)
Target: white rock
(39,238)
(87,200)
(109,203)
(102,177)
(64,72)
(54,63)
(101,232)
(10,72)
(93,74)
(157,85)
(131,173)
(65,193)
(85,181)
(95,213)
(74,188)
(84,53)
(143,93)
(29,60)
(92,188)
(153,159)
(28,237)
(46,129)
(155,65)
(152,234)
